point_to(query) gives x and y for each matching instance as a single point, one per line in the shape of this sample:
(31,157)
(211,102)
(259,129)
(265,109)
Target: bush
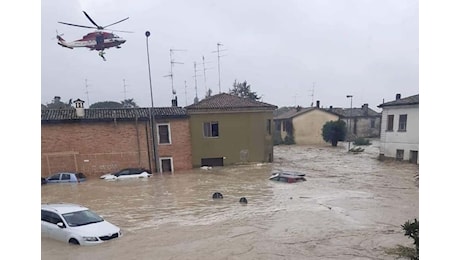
(362,141)
(412,253)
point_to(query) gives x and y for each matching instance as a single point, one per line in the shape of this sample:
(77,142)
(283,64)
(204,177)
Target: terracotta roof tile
(226,101)
(95,114)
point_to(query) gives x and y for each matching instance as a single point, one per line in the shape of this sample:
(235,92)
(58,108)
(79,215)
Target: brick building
(99,141)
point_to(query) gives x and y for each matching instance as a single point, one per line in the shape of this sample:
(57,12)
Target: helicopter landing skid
(101,53)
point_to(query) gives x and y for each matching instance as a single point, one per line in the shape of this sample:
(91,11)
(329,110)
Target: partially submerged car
(289,177)
(75,224)
(66,177)
(128,173)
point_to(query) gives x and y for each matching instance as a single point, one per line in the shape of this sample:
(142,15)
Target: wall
(308,126)
(93,148)
(242,137)
(390,141)
(180,148)
(97,148)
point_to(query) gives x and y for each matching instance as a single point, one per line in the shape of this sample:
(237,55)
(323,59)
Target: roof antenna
(171,51)
(87,92)
(312,94)
(218,60)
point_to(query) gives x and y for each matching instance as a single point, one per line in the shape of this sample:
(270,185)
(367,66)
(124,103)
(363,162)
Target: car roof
(63,208)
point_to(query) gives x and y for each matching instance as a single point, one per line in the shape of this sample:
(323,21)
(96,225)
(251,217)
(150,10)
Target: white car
(128,173)
(76,224)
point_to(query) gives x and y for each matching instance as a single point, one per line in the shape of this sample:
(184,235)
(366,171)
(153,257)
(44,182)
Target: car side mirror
(60,224)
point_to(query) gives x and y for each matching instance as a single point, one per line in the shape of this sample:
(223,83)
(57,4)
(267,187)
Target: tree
(56,103)
(106,104)
(243,90)
(129,103)
(334,131)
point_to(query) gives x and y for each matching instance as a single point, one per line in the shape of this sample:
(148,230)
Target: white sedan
(75,224)
(128,173)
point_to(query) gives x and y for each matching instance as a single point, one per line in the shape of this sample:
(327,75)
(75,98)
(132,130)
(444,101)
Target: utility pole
(151,113)
(351,112)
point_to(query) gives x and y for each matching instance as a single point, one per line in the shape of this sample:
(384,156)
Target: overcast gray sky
(291,52)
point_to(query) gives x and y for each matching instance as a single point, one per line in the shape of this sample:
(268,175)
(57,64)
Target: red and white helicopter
(98,40)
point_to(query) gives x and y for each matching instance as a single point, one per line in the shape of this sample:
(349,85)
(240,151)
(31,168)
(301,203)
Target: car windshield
(81,218)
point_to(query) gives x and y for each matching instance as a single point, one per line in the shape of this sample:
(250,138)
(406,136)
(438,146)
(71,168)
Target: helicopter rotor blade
(116,22)
(120,31)
(79,25)
(91,20)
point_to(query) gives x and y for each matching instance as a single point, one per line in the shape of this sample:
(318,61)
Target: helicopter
(98,40)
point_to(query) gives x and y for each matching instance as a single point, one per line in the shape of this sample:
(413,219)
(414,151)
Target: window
(54,177)
(211,129)
(50,217)
(390,122)
(402,123)
(372,123)
(65,176)
(269,126)
(163,134)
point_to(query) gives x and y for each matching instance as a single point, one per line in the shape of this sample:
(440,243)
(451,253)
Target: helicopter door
(100,41)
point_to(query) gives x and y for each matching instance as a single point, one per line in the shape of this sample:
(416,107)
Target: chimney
(298,108)
(317,103)
(80,110)
(365,109)
(330,107)
(174,102)
(398,96)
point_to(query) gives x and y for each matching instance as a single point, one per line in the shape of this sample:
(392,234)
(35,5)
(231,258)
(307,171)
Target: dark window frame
(161,136)
(211,129)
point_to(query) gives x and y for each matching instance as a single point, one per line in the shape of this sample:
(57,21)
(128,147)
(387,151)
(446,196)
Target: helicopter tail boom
(62,42)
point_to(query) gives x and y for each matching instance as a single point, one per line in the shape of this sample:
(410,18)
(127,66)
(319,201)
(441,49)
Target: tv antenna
(196,88)
(171,51)
(124,88)
(185,86)
(218,60)
(204,75)
(312,94)
(87,92)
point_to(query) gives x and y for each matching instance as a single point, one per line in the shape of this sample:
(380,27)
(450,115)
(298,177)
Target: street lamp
(151,113)
(351,112)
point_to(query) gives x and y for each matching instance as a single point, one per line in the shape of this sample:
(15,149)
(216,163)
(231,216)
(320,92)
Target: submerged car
(128,173)
(76,224)
(66,177)
(289,177)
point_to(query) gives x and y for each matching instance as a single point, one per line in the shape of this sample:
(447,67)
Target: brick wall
(181,145)
(97,148)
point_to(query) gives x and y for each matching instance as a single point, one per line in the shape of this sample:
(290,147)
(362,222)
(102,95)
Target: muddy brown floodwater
(352,206)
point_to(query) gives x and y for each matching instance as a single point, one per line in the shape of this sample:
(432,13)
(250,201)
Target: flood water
(352,206)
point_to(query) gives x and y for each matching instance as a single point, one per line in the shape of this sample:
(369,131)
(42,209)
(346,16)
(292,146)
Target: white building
(399,136)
